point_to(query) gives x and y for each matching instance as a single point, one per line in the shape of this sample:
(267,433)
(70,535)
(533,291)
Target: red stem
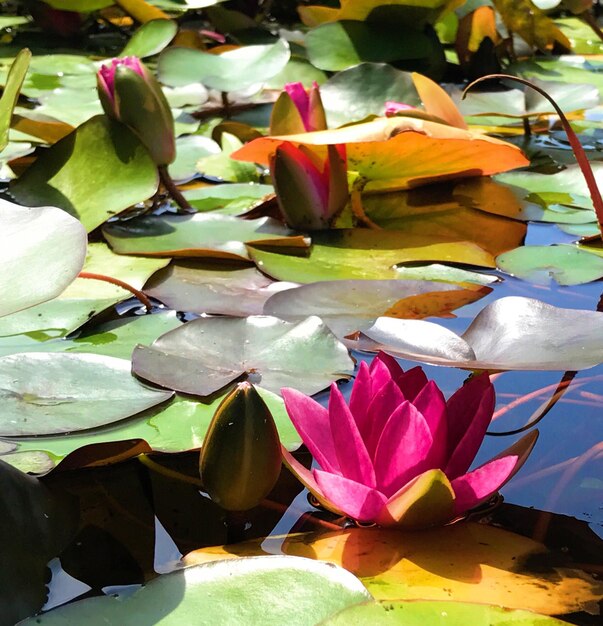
(120,283)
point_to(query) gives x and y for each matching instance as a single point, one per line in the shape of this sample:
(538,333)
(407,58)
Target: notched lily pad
(204,355)
(512,333)
(47,393)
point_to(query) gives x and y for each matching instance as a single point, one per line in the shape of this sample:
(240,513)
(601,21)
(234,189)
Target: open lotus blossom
(399,454)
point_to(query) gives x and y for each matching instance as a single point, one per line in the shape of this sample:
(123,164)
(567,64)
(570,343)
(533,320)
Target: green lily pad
(222,166)
(204,287)
(118,173)
(84,297)
(419,613)
(176,427)
(35,526)
(189,149)
(581,36)
(206,354)
(46,393)
(565,264)
(230,71)
(42,250)
(339,45)
(232,199)
(363,90)
(366,254)
(445,273)
(199,235)
(151,38)
(241,591)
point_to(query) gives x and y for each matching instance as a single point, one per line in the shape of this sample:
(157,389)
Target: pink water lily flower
(106,74)
(399,454)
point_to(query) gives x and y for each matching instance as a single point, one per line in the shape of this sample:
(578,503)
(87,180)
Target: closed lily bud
(298,110)
(241,456)
(130,93)
(311,193)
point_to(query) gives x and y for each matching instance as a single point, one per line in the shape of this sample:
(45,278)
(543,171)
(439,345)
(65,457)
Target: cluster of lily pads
(361,204)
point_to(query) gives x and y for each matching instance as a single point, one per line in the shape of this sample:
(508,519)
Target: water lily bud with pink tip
(130,93)
(399,454)
(298,110)
(311,192)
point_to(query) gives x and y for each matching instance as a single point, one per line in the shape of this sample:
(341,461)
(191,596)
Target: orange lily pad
(401,152)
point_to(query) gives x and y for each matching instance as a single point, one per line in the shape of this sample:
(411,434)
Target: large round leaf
(95,172)
(230,71)
(46,393)
(199,235)
(206,354)
(512,333)
(269,590)
(151,38)
(41,251)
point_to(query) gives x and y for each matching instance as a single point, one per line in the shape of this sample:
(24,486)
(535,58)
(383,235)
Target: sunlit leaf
(42,250)
(418,613)
(84,297)
(232,199)
(461,562)
(189,149)
(245,591)
(118,173)
(206,354)
(204,287)
(512,333)
(232,70)
(151,38)
(199,235)
(389,153)
(12,87)
(45,393)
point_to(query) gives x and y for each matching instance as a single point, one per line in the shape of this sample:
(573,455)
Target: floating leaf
(243,591)
(35,526)
(204,355)
(389,152)
(151,38)
(83,298)
(418,613)
(41,251)
(189,149)
(229,71)
(222,166)
(347,305)
(565,264)
(118,173)
(360,253)
(512,333)
(203,287)
(363,90)
(45,393)
(232,199)
(199,235)
(461,562)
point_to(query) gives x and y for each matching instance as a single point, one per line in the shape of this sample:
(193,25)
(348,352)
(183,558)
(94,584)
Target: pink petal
(388,360)
(380,373)
(432,405)
(411,382)
(469,414)
(360,397)
(306,477)
(354,460)
(392,108)
(403,449)
(477,486)
(311,420)
(387,399)
(354,499)
(301,100)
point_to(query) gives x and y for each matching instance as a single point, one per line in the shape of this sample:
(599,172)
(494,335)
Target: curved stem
(172,189)
(579,152)
(119,283)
